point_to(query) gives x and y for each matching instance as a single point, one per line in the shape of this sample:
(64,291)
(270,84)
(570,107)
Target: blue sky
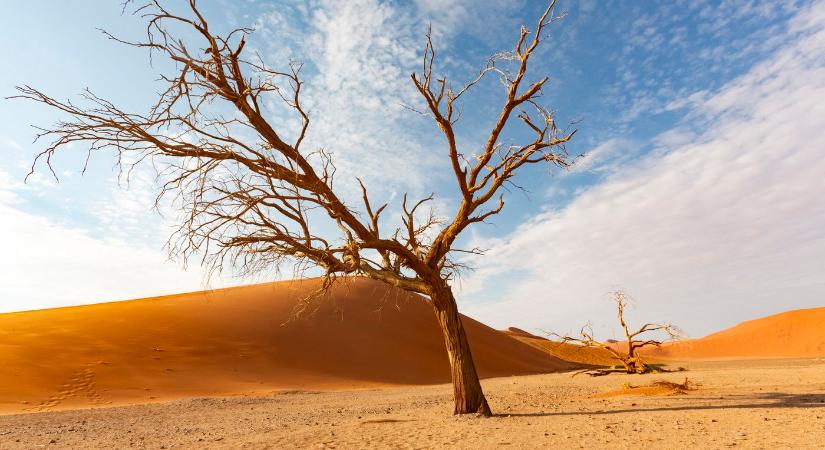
(700,192)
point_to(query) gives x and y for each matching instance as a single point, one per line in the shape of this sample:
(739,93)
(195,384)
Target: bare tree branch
(631,361)
(253,198)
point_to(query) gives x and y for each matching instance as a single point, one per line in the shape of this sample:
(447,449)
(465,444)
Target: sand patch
(658,387)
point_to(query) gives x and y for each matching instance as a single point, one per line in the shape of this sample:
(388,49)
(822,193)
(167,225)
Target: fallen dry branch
(649,368)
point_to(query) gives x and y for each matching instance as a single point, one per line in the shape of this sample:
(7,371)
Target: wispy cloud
(607,156)
(47,264)
(358,58)
(665,53)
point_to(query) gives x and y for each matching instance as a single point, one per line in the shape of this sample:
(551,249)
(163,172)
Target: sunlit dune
(237,340)
(792,334)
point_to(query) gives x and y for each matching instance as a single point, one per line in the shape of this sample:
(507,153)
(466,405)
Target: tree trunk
(633,364)
(628,361)
(469,398)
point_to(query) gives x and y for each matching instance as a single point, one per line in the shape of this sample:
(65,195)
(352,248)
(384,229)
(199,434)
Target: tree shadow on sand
(761,401)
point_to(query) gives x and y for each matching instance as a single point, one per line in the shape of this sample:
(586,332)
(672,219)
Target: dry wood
(630,359)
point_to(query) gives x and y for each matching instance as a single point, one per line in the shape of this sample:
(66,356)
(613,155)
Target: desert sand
(233,368)
(237,340)
(740,404)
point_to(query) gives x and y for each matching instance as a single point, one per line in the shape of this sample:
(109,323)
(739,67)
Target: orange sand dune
(562,350)
(792,334)
(234,341)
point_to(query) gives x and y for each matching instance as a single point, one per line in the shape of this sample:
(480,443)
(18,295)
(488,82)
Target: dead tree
(254,198)
(627,352)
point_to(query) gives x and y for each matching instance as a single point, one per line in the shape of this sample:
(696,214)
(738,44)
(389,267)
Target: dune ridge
(792,334)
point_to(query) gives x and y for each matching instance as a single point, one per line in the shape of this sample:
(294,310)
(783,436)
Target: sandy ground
(158,373)
(748,404)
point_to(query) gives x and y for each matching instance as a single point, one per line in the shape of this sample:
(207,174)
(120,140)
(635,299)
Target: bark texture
(468,395)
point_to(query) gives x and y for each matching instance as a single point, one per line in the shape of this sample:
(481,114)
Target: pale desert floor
(753,404)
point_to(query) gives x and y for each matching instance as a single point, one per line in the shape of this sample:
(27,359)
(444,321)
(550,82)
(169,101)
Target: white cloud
(606,156)
(445,15)
(49,264)
(727,225)
(359,56)
(124,211)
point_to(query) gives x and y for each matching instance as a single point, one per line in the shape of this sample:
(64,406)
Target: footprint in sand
(82,383)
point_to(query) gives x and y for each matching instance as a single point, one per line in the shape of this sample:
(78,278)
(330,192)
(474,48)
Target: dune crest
(792,334)
(235,340)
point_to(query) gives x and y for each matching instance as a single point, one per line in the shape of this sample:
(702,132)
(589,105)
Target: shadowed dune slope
(792,334)
(563,350)
(236,341)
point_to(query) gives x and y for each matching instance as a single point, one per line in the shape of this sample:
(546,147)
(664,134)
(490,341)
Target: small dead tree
(254,198)
(626,352)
